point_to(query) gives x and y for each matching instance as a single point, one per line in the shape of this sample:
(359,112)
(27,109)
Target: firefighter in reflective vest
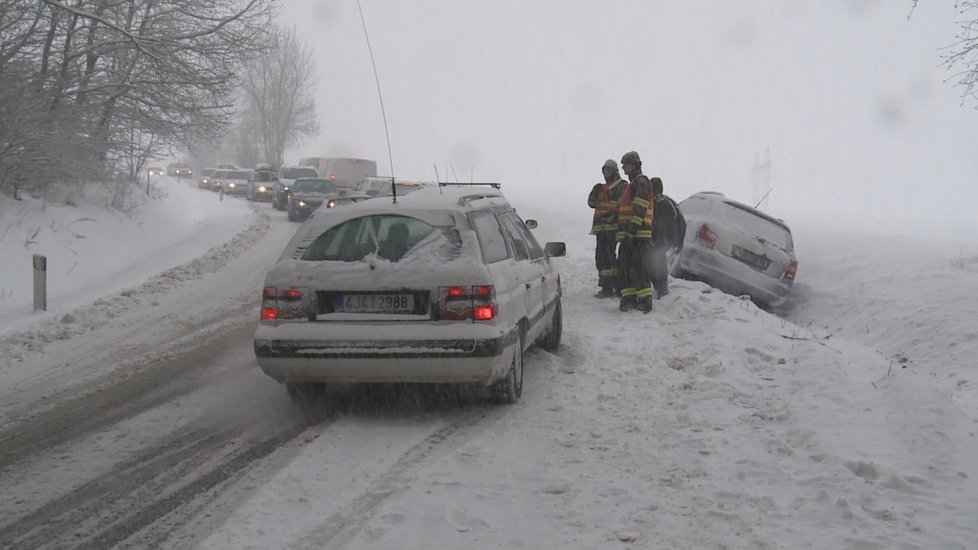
(604,200)
(635,236)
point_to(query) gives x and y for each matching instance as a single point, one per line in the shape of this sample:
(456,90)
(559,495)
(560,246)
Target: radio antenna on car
(764,197)
(383,113)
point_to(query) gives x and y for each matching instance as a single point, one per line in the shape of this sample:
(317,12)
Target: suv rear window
(758,226)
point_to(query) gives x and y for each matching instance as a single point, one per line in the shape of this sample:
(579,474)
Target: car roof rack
(494,185)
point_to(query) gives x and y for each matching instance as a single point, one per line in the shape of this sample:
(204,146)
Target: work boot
(606,292)
(659,293)
(644,304)
(627,303)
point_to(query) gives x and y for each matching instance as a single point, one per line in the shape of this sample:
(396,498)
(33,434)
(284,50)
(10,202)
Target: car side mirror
(531,224)
(555,249)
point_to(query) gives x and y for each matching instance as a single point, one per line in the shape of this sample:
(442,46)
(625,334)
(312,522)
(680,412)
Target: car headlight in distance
(302,203)
(261,189)
(330,204)
(231,185)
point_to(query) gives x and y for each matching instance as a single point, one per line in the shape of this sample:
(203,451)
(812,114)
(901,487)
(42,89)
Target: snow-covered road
(706,424)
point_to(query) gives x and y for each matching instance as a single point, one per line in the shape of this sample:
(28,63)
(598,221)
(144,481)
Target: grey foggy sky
(848,96)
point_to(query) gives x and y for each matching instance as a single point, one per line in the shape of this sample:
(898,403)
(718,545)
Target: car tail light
(278,304)
(707,235)
(792,270)
(463,303)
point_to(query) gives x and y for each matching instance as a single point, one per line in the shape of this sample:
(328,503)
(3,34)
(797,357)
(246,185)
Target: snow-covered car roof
(431,204)
(437,206)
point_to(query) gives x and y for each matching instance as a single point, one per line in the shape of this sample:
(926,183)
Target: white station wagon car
(736,249)
(447,285)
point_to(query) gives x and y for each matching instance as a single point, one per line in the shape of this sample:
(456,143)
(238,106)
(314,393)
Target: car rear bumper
(732,276)
(299,352)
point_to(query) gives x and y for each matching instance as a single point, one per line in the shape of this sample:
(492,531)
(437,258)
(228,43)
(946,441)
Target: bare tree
(279,103)
(961,57)
(91,87)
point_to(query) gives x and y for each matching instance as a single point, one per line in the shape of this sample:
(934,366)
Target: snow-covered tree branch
(82,77)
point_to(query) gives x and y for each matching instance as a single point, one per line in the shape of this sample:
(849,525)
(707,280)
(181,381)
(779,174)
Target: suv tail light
(792,270)
(278,304)
(707,235)
(463,303)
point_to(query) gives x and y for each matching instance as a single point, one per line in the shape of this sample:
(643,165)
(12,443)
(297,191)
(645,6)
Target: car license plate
(375,303)
(754,260)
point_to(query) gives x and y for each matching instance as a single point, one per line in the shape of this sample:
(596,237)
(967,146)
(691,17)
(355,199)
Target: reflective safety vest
(635,205)
(605,205)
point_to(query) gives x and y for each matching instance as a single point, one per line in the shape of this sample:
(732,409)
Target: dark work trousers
(658,268)
(606,260)
(633,257)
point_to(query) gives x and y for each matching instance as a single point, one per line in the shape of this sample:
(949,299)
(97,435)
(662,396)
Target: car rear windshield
(314,186)
(758,225)
(238,175)
(388,236)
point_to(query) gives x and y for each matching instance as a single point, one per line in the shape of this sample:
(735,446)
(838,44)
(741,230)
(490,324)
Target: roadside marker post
(40,283)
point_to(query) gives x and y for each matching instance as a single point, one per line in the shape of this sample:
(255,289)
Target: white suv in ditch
(447,285)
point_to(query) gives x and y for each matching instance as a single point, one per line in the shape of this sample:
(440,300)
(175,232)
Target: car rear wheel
(552,340)
(510,388)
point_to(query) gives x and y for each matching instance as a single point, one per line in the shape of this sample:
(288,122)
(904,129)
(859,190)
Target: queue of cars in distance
(260,184)
(231,182)
(283,184)
(736,248)
(179,170)
(205,178)
(445,286)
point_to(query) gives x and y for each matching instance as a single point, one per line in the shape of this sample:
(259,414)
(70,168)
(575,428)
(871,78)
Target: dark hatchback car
(308,194)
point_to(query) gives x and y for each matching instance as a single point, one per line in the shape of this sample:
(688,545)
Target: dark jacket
(669,225)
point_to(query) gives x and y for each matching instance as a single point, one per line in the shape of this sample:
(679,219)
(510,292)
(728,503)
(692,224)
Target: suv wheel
(510,388)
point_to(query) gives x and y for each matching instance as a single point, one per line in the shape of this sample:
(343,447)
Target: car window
(303,172)
(522,237)
(520,249)
(490,236)
(389,236)
(238,175)
(218,174)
